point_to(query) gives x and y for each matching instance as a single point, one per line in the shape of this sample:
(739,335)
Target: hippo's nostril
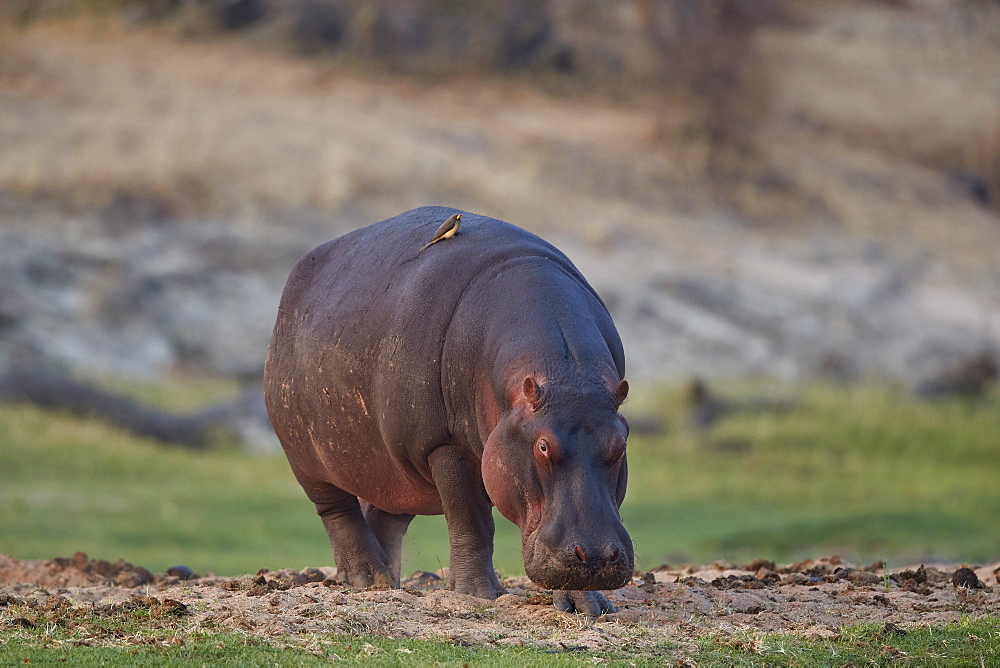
(615,554)
(580,554)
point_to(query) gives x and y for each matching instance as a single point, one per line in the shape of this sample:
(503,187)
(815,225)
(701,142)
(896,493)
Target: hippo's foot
(483,587)
(366,577)
(590,603)
(361,561)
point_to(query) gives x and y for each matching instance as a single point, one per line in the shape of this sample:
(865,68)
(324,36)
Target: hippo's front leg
(469,513)
(590,603)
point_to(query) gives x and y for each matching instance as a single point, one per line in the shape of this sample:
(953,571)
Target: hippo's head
(555,466)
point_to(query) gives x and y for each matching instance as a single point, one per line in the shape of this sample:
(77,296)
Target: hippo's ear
(532,392)
(620,392)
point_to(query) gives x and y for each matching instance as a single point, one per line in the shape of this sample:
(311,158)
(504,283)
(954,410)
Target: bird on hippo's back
(448,229)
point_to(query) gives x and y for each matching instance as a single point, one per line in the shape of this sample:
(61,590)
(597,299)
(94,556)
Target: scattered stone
(767,576)
(738,582)
(9,599)
(877,567)
(182,572)
(796,579)
(312,575)
(746,604)
(893,628)
(969,377)
(918,576)
(539,599)
(857,577)
(423,578)
(758,564)
(967,578)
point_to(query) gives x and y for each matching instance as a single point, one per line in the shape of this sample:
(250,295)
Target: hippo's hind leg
(361,561)
(389,529)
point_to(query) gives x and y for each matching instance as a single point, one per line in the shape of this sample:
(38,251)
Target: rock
(758,564)
(422,578)
(182,572)
(894,629)
(967,377)
(967,578)
(134,577)
(796,579)
(312,575)
(9,599)
(857,577)
(746,604)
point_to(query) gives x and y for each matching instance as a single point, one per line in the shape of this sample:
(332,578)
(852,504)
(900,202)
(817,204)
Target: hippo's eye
(617,452)
(543,446)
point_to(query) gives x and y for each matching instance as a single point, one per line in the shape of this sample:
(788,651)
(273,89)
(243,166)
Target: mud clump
(742,582)
(267,581)
(858,577)
(758,564)
(919,580)
(77,570)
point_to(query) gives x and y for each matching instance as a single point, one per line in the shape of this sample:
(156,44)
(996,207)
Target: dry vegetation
(789,142)
(722,91)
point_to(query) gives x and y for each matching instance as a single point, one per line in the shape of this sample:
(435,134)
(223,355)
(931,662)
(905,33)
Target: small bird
(448,229)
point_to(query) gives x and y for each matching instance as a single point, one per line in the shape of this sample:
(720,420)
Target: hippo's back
(372,290)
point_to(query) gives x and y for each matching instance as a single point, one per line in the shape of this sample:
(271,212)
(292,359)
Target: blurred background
(790,207)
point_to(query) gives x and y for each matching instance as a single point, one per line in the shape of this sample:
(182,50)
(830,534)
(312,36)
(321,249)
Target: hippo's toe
(590,603)
(366,578)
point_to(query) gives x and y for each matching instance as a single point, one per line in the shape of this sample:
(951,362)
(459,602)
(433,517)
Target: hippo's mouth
(570,569)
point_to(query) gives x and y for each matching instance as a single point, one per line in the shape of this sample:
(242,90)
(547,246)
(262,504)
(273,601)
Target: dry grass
(930,98)
(203,141)
(220,129)
(95,115)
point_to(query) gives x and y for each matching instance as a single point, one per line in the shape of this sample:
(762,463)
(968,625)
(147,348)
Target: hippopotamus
(484,371)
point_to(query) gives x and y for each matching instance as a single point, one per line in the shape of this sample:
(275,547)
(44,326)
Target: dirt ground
(813,598)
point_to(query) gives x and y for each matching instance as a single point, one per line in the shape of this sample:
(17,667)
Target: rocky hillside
(156,187)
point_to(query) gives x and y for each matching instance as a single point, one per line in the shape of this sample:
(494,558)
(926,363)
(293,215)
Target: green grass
(86,637)
(117,641)
(970,642)
(863,472)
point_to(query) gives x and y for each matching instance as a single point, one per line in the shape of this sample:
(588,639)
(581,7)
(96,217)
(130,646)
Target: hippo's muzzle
(576,567)
(556,559)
